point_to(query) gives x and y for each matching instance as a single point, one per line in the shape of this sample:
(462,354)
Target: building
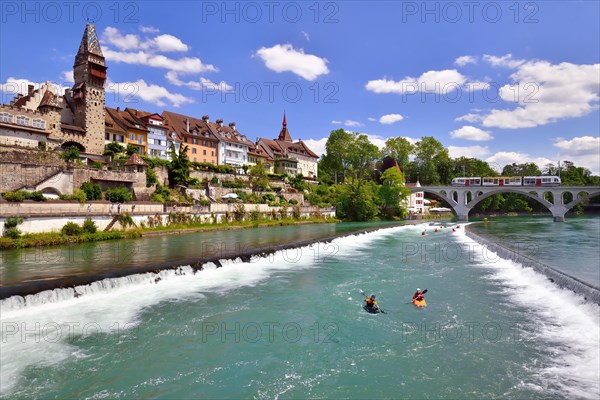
(290,157)
(233,145)
(157,133)
(416,200)
(136,134)
(73,119)
(256,154)
(196,134)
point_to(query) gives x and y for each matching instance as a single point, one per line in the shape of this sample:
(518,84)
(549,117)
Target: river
(291,325)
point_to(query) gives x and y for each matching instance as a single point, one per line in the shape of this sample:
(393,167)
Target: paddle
(423,292)
(379,308)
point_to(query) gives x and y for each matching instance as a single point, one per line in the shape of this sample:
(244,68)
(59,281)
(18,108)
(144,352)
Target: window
(204,152)
(106,136)
(119,138)
(6,117)
(140,139)
(204,143)
(205,160)
(132,137)
(212,153)
(195,141)
(21,120)
(194,151)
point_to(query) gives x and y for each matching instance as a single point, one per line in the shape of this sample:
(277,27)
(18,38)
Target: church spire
(284,135)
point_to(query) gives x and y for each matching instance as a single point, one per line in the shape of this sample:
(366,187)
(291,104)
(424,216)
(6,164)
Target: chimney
(29,90)
(232,125)
(205,118)
(220,122)
(187,124)
(118,109)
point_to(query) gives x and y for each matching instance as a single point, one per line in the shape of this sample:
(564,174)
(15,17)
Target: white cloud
(469,118)
(317,145)
(149,93)
(504,61)
(544,93)
(202,84)
(149,29)
(503,158)
(183,65)
(444,81)
(162,43)
(583,151)
(464,60)
(67,76)
(389,119)
(14,86)
(468,132)
(579,145)
(282,58)
(468,151)
(371,119)
(348,123)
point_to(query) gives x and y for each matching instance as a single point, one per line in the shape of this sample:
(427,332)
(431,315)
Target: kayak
(371,310)
(420,303)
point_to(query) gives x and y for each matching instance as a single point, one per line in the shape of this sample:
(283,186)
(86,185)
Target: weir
(589,292)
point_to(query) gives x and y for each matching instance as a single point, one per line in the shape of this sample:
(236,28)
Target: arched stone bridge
(463,199)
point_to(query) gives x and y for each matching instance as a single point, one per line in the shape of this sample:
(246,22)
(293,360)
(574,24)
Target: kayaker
(418,296)
(371,301)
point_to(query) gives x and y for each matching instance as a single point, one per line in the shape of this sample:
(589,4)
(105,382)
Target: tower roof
(284,135)
(89,45)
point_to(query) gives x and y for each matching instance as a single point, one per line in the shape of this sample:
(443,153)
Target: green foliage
(392,192)
(296,212)
(71,229)
(92,190)
(268,198)
(239,212)
(399,149)
(259,178)
(299,183)
(37,196)
(13,197)
(125,220)
(42,146)
(236,184)
(179,173)
(113,148)
(97,165)
(357,203)
(293,201)
(71,154)
(118,194)
(525,169)
(132,149)
(12,233)
(89,226)
(429,155)
(78,195)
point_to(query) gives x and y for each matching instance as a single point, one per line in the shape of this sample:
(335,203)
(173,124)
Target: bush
(12,233)
(12,222)
(125,220)
(13,197)
(71,229)
(37,196)
(268,197)
(78,195)
(89,226)
(92,190)
(293,201)
(119,195)
(237,184)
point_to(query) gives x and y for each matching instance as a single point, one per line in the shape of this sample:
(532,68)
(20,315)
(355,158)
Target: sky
(506,82)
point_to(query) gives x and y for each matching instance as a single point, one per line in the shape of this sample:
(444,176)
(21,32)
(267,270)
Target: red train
(546,180)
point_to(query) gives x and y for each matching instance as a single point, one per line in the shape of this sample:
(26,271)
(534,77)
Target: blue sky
(500,81)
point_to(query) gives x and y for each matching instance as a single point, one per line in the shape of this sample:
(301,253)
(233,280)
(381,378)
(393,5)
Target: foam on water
(562,318)
(36,330)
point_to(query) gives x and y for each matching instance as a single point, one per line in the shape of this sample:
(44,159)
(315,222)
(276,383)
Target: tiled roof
(135,159)
(179,124)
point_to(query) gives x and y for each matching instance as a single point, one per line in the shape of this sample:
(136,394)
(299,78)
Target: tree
(524,169)
(429,153)
(361,155)
(112,149)
(131,149)
(71,154)
(259,178)
(392,192)
(399,149)
(92,190)
(335,160)
(179,172)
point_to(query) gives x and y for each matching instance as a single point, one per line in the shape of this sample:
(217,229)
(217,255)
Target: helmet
(418,290)
(372,296)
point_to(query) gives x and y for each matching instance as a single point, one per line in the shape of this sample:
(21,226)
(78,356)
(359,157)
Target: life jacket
(418,296)
(370,303)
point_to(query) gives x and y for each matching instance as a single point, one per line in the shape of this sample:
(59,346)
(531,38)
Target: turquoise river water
(291,325)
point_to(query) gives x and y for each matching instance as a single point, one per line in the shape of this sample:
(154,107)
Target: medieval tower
(88,95)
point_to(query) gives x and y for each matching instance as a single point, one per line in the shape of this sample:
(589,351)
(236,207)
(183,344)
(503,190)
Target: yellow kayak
(420,303)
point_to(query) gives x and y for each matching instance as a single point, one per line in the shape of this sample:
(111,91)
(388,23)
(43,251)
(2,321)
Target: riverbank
(590,292)
(59,239)
(117,264)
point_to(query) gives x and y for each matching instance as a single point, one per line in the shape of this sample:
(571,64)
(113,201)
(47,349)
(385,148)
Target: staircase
(49,175)
(111,223)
